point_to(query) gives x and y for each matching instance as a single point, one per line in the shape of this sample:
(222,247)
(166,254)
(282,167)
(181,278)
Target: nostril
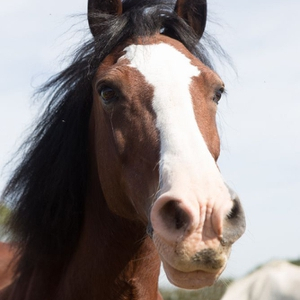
(234,224)
(173,216)
(235,210)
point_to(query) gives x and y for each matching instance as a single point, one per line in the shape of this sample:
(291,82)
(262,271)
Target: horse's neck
(120,275)
(6,265)
(115,260)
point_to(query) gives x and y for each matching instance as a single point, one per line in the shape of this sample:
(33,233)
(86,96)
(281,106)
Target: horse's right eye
(108,94)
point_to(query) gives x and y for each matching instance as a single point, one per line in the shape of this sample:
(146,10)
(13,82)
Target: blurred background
(259,119)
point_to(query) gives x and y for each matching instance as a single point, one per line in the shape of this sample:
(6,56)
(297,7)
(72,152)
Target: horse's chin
(190,280)
(190,263)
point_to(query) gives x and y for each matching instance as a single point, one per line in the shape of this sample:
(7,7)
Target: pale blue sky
(259,119)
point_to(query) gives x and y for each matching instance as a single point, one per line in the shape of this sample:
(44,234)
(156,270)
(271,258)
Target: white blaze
(186,165)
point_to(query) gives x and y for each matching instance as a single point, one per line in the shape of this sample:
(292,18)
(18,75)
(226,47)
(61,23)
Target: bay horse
(120,173)
(7,255)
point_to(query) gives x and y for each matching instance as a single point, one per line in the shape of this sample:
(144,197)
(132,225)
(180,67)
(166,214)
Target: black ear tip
(106,6)
(194,13)
(110,7)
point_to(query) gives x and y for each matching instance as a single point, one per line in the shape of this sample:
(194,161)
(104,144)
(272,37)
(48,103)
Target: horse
(120,173)
(7,255)
(277,280)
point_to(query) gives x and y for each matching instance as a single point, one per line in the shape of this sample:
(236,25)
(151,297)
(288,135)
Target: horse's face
(156,149)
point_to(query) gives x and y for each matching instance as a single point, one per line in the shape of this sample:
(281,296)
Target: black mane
(47,190)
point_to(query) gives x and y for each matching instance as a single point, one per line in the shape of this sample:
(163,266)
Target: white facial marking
(186,162)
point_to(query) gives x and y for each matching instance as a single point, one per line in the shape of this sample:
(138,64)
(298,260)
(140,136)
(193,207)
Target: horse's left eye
(218,95)
(108,94)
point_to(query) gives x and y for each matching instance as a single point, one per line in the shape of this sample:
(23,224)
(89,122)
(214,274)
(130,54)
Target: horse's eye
(108,94)
(218,95)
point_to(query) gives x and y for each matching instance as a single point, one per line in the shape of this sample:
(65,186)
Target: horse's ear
(194,13)
(111,7)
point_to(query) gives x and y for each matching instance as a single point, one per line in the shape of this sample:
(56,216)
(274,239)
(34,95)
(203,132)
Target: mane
(47,189)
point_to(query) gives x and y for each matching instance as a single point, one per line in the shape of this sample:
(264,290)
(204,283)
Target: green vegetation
(295,262)
(4,213)
(214,292)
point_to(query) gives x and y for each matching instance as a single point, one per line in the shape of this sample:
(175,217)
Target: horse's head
(156,145)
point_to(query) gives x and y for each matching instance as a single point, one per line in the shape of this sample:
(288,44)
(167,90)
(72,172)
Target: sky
(259,119)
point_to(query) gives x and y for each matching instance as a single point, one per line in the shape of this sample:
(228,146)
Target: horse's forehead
(160,60)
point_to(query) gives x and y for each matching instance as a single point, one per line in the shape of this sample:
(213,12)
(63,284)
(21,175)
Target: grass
(4,214)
